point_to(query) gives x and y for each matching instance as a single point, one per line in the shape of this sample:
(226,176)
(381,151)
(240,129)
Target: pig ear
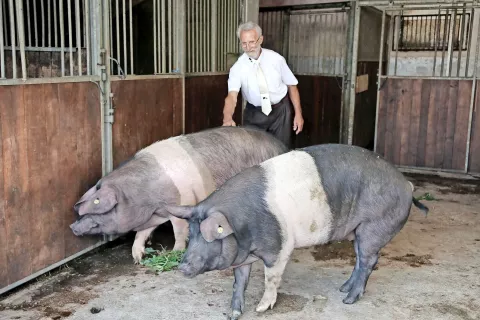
(182,212)
(100,202)
(85,197)
(216,226)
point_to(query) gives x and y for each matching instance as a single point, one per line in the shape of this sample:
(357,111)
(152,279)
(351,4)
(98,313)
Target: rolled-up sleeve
(287,75)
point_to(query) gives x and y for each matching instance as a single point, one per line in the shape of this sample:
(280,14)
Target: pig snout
(82,226)
(191,267)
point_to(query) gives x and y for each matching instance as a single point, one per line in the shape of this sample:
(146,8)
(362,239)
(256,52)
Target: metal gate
(427,116)
(314,42)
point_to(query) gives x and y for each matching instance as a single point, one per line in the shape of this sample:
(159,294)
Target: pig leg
(347,286)
(273,277)
(138,248)
(369,240)
(242,275)
(180,229)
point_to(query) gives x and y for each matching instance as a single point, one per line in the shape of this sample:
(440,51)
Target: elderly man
(268,85)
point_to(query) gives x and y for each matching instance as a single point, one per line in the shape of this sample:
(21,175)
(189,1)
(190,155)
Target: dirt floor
(430,270)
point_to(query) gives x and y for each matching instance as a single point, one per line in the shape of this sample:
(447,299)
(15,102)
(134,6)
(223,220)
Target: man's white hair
(247,26)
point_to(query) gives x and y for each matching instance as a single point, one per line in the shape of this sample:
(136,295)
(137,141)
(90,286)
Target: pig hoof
(235,315)
(137,253)
(351,298)
(265,304)
(179,246)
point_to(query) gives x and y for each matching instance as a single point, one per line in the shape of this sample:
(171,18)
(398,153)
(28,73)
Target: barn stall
(84,85)
(427,115)
(75,86)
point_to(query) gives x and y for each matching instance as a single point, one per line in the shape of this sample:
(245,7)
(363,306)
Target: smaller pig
(305,197)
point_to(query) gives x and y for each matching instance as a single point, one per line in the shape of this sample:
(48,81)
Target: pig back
(198,163)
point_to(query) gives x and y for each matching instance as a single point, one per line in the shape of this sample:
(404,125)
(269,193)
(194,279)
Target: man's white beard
(254,54)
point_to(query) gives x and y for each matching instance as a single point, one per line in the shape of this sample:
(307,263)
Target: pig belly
(296,197)
(185,168)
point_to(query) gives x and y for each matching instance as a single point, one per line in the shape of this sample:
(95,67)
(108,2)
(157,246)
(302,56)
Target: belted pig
(181,170)
(305,197)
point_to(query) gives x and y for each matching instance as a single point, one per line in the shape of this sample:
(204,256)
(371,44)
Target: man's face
(251,43)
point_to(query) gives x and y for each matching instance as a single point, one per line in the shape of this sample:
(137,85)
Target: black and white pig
(305,197)
(181,170)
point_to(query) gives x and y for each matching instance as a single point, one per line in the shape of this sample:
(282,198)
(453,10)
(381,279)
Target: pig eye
(96,201)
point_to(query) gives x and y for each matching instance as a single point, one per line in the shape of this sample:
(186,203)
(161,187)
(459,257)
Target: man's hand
(298,123)
(229,123)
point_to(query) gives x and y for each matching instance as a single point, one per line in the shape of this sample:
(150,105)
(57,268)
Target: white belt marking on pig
(295,195)
(190,180)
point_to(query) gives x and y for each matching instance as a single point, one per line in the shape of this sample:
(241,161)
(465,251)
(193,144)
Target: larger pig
(180,170)
(301,198)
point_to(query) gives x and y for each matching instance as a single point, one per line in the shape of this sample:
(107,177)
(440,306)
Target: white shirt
(277,75)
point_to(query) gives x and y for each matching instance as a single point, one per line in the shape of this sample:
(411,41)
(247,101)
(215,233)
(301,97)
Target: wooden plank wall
(204,101)
(320,98)
(50,153)
(423,122)
(145,111)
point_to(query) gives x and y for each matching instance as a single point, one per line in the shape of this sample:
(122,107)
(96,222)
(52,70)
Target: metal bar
(107,110)
(170,51)
(131,35)
(201,36)
(21,37)
(336,33)
(124,27)
(397,40)
(54,23)
(460,38)
(5,21)
(353,74)
(12,40)
(437,35)
(214,35)
(42,11)
(318,45)
(87,35)
(70,41)
(472,102)
(443,42)
(2,53)
(49,24)
(380,63)
(14,82)
(426,77)
(469,40)
(79,36)
(450,41)
(35,22)
(188,35)
(62,38)
(155,22)
(117,23)
(39,49)
(163,38)
(110,25)
(29,28)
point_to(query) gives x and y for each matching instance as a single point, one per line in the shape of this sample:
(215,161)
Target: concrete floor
(431,270)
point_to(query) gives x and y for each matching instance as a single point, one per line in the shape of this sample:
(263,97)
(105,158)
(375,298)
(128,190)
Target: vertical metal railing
(316,42)
(35,31)
(219,19)
(438,39)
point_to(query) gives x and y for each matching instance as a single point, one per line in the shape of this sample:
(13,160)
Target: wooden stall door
(50,154)
(424,123)
(146,110)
